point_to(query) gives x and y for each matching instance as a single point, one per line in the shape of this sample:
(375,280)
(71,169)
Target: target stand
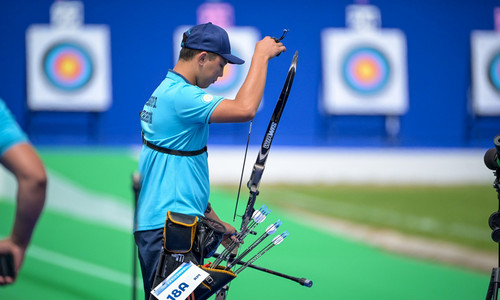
(492,161)
(494,222)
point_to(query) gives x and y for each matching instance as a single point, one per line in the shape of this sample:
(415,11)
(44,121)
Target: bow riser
(259,166)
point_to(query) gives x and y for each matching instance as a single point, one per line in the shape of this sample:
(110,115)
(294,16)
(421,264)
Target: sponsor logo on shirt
(207,98)
(152,101)
(147,116)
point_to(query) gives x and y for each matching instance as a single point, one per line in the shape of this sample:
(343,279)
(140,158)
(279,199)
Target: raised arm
(25,164)
(244,107)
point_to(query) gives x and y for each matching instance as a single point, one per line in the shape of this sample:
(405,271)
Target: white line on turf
(76,265)
(64,196)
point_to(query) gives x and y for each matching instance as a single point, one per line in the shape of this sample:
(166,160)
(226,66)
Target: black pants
(149,244)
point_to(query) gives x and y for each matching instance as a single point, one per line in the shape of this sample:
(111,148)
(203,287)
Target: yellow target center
(68,67)
(366,70)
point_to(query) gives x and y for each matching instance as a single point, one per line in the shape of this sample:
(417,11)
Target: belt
(172,151)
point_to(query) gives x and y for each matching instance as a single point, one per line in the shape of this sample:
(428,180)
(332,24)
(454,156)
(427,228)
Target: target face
(494,72)
(68,69)
(485,69)
(364,73)
(68,66)
(366,70)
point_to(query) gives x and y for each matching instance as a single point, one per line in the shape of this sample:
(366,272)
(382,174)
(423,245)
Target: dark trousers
(149,244)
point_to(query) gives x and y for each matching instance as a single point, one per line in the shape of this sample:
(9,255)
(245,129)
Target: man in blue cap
(175,124)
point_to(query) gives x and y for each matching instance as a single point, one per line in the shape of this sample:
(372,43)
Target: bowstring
(242,171)
(239,187)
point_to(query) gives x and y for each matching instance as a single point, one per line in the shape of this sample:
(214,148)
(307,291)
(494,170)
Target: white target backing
(364,72)
(68,68)
(485,57)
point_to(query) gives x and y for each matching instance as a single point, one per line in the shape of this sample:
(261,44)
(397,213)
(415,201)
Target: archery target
(68,69)
(243,40)
(364,72)
(485,51)
(68,66)
(494,71)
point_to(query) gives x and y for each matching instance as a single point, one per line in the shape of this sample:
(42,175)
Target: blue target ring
(494,72)
(366,70)
(68,66)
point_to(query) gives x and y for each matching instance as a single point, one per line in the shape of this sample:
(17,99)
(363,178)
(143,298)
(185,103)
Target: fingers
(11,259)
(277,47)
(230,239)
(233,237)
(281,48)
(4,280)
(269,47)
(226,243)
(7,271)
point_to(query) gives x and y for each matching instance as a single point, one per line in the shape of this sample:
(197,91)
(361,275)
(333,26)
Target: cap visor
(233,59)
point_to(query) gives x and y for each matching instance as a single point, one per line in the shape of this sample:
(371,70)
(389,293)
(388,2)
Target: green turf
(343,269)
(340,268)
(86,242)
(107,171)
(458,214)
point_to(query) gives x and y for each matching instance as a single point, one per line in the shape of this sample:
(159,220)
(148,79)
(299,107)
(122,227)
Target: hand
(230,236)
(269,48)
(8,246)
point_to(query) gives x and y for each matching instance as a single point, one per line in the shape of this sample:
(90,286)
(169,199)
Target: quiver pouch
(208,237)
(178,240)
(179,232)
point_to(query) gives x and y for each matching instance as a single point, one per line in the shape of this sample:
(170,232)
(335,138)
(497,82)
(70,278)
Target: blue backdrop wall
(438,40)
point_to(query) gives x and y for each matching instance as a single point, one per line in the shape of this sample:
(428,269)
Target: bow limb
(259,166)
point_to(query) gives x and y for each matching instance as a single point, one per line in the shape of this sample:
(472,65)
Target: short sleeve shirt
(176,116)
(10,132)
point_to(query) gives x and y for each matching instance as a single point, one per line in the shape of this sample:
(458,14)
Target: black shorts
(149,244)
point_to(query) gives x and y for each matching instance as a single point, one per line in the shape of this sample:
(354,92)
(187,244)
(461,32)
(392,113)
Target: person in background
(19,157)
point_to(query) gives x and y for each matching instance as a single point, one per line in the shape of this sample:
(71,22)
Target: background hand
(7,246)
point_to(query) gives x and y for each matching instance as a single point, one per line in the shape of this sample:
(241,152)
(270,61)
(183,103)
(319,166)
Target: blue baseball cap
(212,38)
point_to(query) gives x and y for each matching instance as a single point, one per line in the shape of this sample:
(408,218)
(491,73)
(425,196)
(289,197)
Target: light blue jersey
(10,132)
(175,117)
